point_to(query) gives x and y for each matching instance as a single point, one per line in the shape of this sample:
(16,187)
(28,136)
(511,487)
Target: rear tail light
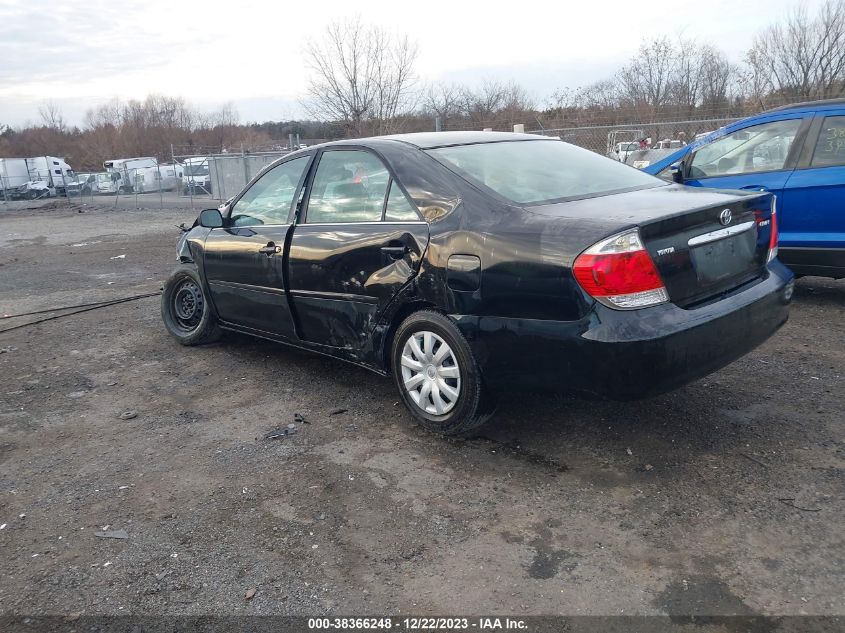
(773,229)
(773,236)
(619,273)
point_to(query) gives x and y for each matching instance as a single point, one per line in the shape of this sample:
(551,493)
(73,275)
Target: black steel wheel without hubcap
(188,305)
(186,312)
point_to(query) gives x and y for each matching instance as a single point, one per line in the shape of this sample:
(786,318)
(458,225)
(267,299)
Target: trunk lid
(704,242)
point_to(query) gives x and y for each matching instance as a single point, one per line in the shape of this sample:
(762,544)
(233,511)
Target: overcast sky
(79,54)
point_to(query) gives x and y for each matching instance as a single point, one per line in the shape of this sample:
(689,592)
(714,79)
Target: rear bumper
(627,355)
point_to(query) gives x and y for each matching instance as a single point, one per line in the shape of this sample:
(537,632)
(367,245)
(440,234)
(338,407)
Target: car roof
(809,105)
(430,140)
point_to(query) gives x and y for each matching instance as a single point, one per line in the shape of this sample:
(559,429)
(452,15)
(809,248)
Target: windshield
(539,171)
(196,170)
(103,178)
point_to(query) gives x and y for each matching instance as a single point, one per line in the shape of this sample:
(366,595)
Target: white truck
(196,178)
(37,177)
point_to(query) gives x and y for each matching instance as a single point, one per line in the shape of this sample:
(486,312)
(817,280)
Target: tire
(32,195)
(185,310)
(456,372)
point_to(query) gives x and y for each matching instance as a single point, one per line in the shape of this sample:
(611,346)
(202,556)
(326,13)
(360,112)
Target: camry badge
(725,217)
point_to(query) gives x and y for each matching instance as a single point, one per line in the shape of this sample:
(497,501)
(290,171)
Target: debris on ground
(250,594)
(281,432)
(790,501)
(300,419)
(338,411)
(754,459)
(629,451)
(119,256)
(121,534)
(128,415)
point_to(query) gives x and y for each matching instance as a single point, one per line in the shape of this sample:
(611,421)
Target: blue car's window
(763,147)
(544,170)
(830,148)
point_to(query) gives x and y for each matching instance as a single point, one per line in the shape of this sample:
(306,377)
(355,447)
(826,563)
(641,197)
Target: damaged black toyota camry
(465,263)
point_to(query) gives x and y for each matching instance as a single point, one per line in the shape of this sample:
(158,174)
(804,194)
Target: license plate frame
(722,259)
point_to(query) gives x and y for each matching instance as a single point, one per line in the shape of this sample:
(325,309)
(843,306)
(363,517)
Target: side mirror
(677,171)
(211,218)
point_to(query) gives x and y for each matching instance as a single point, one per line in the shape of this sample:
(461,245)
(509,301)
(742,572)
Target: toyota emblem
(725,217)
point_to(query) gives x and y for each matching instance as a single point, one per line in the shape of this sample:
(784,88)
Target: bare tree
(718,78)
(51,116)
(686,76)
(362,76)
(803,57)
(494,102)
(646,81)
(443,100)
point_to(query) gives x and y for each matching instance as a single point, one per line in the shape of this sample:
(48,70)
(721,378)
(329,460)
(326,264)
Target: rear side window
(349,186)
(529,172)
(830,148)
(399,208)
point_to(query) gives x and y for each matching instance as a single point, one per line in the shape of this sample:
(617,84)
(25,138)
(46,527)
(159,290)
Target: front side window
(269,199)
(529,172)
(830,148)
(763,147)
(349,186)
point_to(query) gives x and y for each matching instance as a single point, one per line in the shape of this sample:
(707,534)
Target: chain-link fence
(607,139)
(219,176)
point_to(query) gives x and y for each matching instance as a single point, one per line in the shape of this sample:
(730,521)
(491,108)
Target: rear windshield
(529,172)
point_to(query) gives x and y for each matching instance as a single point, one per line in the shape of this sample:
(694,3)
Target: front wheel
(437,375)
(185,310)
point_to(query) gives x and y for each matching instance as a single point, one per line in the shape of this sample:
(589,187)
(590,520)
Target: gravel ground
(724,497)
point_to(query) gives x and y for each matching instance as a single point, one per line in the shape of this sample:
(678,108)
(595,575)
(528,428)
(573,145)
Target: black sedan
(463,263)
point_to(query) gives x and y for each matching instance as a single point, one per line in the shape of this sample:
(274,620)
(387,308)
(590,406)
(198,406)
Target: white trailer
(36,177)
(124,173)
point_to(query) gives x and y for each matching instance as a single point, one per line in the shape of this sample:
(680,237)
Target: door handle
(270,249)
(394,252)
(754,188)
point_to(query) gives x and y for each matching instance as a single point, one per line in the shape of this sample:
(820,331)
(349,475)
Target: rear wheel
(437,375)
(185,310)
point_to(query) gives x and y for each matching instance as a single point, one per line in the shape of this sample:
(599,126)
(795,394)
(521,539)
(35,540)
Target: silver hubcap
(430,373)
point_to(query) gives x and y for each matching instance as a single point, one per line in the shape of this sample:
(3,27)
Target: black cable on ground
(84,308)
(79,305)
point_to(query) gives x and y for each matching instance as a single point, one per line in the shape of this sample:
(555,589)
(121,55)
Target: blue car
(798,153)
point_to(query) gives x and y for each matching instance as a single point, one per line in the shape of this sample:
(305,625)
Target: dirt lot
(725,497)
